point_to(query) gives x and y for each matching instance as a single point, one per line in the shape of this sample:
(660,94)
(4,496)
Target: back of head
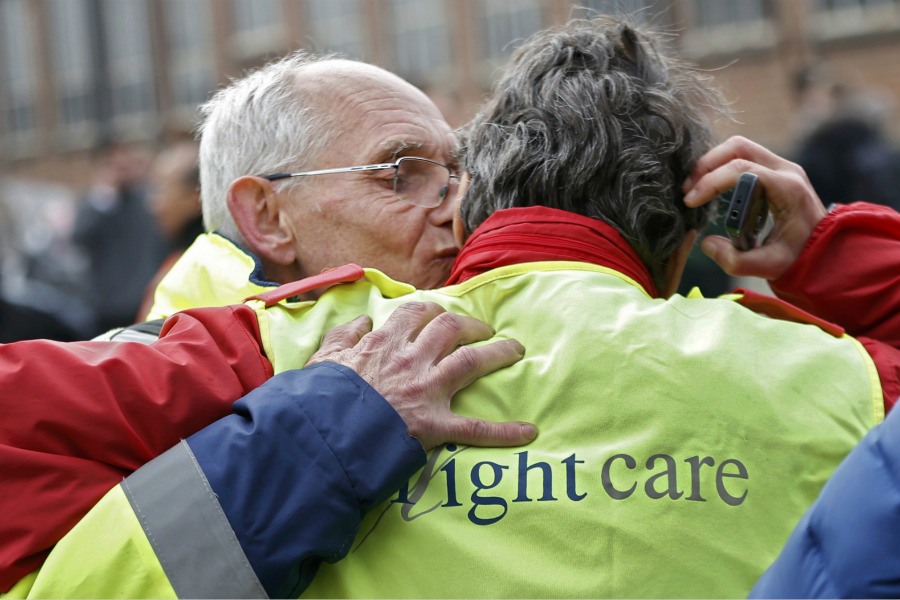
(261,123)
(595,119)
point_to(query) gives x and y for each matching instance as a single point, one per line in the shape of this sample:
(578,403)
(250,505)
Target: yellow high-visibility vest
(213,271)
(680,441)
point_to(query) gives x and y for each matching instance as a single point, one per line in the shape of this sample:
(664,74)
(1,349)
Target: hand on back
(418,360)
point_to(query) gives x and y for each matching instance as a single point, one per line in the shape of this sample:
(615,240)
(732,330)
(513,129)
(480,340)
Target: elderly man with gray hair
(681,438)
(311,163)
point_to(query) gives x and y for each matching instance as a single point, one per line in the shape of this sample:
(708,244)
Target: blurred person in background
(174,201)
(19,321)
(119,237)
(843,148)
(22,322)
(41,274)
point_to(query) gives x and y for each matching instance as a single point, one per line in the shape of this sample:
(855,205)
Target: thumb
(769,261)
(722,252)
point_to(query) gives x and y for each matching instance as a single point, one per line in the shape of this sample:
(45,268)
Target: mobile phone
(747,212)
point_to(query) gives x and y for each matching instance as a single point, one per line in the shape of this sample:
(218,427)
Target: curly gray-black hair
(594,118)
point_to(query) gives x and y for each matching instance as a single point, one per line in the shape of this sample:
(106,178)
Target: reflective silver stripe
(107,335)
(146,332)
(128,335)
(190,534)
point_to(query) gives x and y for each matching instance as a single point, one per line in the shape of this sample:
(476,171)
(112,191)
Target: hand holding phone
(747,212)
(793,208)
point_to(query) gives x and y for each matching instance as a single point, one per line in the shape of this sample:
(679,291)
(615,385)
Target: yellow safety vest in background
(680,441)
(213,271)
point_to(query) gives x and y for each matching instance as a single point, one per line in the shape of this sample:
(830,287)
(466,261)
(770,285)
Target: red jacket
(79,416)
(849,274)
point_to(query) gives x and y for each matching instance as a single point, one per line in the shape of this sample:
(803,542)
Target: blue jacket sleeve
(266,494)
(847,545)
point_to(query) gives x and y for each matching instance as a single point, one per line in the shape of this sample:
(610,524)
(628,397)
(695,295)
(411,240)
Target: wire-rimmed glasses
(418,181)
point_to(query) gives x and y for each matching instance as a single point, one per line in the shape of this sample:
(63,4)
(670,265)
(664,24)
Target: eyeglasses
(418,181)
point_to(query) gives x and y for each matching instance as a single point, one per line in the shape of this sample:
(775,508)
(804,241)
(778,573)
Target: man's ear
(459,229)
(255,208)
(677,262)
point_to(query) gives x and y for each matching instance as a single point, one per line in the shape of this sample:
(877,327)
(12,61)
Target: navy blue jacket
(252,504)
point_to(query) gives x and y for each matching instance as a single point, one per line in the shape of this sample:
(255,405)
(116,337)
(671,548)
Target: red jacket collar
(537,233)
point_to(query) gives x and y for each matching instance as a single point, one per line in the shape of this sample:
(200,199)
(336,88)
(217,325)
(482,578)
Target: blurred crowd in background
(77,262)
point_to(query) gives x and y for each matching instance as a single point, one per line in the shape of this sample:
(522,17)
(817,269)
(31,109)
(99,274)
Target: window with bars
(130,67)
(259,28)
(643,11)
(74,74)
(726,26)
(337,26)
(191,63)
(421,39)
(841,18)
(506,24)
(856,5)
(17,79)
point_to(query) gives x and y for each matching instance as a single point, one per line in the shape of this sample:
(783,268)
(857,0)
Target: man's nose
(442,214)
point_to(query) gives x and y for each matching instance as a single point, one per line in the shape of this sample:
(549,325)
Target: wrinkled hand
(795,207)
(418,360)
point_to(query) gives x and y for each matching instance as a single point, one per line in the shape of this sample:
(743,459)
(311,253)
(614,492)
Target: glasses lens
(423,183)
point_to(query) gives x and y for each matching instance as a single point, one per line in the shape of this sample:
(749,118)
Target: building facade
(80,74)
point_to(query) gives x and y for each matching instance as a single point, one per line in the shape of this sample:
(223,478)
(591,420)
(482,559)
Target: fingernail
(529,431)
(688,184)
(518,347)
(689,197)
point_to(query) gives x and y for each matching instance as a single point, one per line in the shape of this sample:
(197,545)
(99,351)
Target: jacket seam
(325,440)
(878,399)
(145,525)
(533,267)
(256,343)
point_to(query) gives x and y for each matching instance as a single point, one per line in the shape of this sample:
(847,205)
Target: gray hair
(593,118)
(257,125)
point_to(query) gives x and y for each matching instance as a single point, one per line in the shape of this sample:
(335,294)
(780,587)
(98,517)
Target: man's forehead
(341,67)
(393,116)
(331,82)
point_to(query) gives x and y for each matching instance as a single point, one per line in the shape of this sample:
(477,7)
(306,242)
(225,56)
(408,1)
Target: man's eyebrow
(390,149)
